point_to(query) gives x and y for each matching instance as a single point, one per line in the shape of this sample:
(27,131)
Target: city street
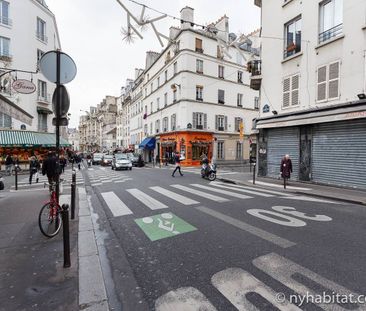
(184,243)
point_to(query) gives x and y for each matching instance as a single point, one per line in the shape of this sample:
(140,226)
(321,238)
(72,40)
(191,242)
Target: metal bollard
(66,235)
(254,164)
(16,176)
(73,196)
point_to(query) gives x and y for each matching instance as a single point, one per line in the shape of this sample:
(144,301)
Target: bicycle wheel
(48,224)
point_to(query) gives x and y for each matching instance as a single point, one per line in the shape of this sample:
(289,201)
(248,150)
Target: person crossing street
(177,165)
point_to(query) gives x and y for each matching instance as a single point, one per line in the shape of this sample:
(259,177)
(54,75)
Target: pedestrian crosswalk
(104,175)
(245,291)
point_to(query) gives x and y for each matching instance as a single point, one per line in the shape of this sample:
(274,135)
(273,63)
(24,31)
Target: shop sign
(24,86)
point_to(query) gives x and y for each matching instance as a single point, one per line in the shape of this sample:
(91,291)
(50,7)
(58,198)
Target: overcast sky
(90,32)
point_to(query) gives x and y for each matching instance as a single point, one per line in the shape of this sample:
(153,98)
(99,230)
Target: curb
(302,193)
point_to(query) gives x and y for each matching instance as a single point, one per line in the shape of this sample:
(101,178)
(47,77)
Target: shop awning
(44,110)
(13,138)
(148,143)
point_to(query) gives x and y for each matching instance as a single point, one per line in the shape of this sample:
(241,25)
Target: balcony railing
(255,67)
(331,33)
(6,58)
(44,99)
(199,50)
(41,36)
(4,20)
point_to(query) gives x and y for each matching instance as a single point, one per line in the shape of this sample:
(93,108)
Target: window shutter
(198,43)
(225,123)
(322,83)
(205,120)
(194,120)
(216,122)
(295,90)
(333,80)
(286,92)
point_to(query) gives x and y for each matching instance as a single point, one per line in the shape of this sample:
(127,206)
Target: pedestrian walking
(286,169)
(33,168)
(8,164)
(177,164)
(50,168)
(63,163)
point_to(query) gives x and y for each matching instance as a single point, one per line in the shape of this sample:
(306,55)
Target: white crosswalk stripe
(175,196)
(228,193)
(115,204)
(228,186)
(144,198)
(201,193)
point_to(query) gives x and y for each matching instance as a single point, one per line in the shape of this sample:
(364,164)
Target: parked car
(107,160)
(121,161)
(97,158)
(134,157)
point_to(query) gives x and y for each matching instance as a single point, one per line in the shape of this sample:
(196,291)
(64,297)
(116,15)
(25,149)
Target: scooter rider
(205,163)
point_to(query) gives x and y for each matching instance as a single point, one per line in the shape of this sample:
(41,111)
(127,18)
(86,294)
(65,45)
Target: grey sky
(90,34)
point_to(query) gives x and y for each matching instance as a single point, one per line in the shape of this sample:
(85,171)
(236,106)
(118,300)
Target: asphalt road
(184,243)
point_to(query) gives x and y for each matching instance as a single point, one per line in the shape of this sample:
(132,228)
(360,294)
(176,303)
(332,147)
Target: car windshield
(97,155)
(108,157)
(121,157)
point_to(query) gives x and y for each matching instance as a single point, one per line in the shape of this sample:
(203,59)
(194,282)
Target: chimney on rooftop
(186,14)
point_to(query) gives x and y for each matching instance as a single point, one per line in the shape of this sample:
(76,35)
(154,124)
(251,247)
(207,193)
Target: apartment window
(220,150)
(221,72)
(256,102)
(145,129)
(5,120)
(165,99)
(238,120)
(239,150)
(330,19)
(328,81)
(151,87)
(199,45)
(151,107)
(157,126)
(4,47)
(4,13)
(199,120)
(42,122)
(42,90)
(199,92)
(158,82)
(175,68)
(174,95)
(165,124)
(166,75)
(291,91)
(173,120)
(219,52)
(39,54)
(199,66)
(240,76)
(221,97)
(158,103)
(221,123)
(41,30)
(292,37)
(239,100)
(151,128)
(145,92)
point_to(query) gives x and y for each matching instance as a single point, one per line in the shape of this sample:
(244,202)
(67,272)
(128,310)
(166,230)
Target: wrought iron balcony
(331,33)
(4,20)
(255,68)
(42,37)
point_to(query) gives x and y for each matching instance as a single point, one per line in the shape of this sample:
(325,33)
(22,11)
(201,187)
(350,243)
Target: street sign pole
(58,114)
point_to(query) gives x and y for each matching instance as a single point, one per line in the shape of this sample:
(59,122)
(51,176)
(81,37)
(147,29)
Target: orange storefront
(191,145)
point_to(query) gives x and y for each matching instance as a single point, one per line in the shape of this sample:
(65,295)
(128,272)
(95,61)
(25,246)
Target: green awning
(17,139)
(12,138)
(44,110)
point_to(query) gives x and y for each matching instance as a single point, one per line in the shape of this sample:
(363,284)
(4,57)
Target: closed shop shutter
(339,153)
(280,142)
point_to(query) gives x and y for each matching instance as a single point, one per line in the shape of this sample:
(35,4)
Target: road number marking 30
(281,216)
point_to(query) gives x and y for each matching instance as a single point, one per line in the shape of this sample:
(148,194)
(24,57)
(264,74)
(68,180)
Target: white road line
(236,283)
(146,199)
(226,173)
(227,186)
(90,169)
(259,189)
(97,184)
(311,199)
(248,228)
(289,273)
(28,190)
(114,203)
(183,299)
(278,186)
(175,196)
(229,193)
(124,180)
(201,193)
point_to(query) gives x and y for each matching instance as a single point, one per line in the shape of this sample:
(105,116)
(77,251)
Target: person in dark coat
(33,168)
(286,167)
(177,164)
(63,163)
(50,168)
(9,164)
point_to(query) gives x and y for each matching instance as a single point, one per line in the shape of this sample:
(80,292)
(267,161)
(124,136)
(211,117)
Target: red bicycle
(49,219)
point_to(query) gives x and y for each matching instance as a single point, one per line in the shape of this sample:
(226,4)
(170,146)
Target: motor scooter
(208,171)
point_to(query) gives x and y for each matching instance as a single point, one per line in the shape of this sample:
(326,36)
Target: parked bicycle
(49,219)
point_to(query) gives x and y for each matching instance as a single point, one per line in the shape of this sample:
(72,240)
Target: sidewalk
(329,192)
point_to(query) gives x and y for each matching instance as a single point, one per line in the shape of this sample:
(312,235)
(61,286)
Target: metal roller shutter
(280,142)
(339,154)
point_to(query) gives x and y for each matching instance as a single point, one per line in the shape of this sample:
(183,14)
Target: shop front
(190,145)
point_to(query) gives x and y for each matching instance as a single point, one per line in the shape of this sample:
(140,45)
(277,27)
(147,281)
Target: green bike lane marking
(163,226)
